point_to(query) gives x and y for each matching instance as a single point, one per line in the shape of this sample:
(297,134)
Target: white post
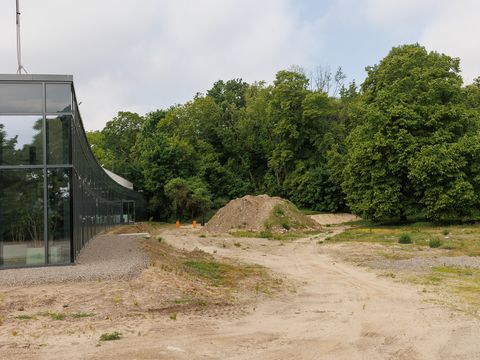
(19,45)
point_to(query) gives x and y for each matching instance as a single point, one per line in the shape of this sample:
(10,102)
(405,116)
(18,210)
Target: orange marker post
(177,224)
(194,224)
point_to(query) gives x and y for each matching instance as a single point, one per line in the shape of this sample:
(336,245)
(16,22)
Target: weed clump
(405,239)
(434,243)
(54,315)
(79,315)
(266,234)
(110,336)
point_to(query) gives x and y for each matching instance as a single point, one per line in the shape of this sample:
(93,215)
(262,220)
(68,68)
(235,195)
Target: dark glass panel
(58,139)
(21,218)
(59,225)
(59,98)
(21,98)
(21,140)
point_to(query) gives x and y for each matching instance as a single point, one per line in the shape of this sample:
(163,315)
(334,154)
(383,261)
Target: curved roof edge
(119,180)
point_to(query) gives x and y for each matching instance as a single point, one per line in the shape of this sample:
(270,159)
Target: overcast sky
(149,54)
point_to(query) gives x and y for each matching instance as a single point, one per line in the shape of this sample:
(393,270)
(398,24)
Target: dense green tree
(189,197)
(288,94)
(114,146)
(401,156)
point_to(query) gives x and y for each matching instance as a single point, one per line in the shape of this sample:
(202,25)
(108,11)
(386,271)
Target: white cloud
(140,55)
(393,14)
(455,32)
(446,26)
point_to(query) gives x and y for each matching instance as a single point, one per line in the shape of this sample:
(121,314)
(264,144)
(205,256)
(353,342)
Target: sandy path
(337,312)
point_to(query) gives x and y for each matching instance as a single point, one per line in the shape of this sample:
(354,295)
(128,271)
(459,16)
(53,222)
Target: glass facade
(54,196)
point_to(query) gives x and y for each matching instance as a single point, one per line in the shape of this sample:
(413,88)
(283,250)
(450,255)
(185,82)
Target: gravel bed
(110,257)
(422,264)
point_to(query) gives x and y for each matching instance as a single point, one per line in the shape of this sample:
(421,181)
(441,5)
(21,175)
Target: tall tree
(411,118)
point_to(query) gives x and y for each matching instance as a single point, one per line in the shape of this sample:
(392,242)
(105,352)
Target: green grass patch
(463,239)
(266,234)
(79,315)
(460,283)
(54,315)
(223,274)
(111,336)
(455,270)
(25,317)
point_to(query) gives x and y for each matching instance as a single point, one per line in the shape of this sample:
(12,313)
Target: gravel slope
(422,264)
(104,257)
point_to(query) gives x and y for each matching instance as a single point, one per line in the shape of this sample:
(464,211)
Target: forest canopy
(405,142)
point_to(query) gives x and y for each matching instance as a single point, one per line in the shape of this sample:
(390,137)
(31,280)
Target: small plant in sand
(405,239)
(266,234)
(285,224)
(110,336)
(25,317)
(173,317)
(54,315)
(445,232)
(79,315)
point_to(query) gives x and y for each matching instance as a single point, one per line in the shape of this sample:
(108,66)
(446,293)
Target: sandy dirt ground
(330,310)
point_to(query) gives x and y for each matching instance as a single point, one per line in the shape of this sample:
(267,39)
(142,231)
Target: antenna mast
(19,45)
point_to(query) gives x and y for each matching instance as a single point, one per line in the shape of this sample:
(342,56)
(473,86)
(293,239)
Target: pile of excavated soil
(260,213)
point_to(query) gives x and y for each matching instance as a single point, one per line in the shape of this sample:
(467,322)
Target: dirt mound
(260,213)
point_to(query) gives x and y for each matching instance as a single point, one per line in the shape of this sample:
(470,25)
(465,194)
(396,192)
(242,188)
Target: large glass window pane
(59,225)
(59,98)
(21,218)
(21,98)
(21,140)
(58,139)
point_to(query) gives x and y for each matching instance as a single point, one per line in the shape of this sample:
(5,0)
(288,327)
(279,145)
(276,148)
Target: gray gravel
(422,264)
(105,257)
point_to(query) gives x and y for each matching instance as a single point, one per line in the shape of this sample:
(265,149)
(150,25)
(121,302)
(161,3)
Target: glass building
(54,196)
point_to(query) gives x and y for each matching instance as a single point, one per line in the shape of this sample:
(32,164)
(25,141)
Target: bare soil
(327,309)
(334,219)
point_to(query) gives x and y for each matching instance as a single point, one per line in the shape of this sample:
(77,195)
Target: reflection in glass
(21,218)
(59,98)
(21,98)
(59,216)
(21,140)
(58,139)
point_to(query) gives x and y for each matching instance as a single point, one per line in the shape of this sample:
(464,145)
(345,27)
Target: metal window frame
(87,180)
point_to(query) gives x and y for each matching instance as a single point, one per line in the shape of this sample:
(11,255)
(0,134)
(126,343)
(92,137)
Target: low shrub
(434,243)
(110,336)
(405,239)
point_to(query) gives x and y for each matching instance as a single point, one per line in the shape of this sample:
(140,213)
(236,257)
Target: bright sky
(149,54)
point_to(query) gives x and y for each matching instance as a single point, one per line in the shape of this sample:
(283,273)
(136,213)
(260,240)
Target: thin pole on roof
(19,45)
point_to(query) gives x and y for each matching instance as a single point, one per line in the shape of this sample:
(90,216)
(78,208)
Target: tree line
(405,142)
